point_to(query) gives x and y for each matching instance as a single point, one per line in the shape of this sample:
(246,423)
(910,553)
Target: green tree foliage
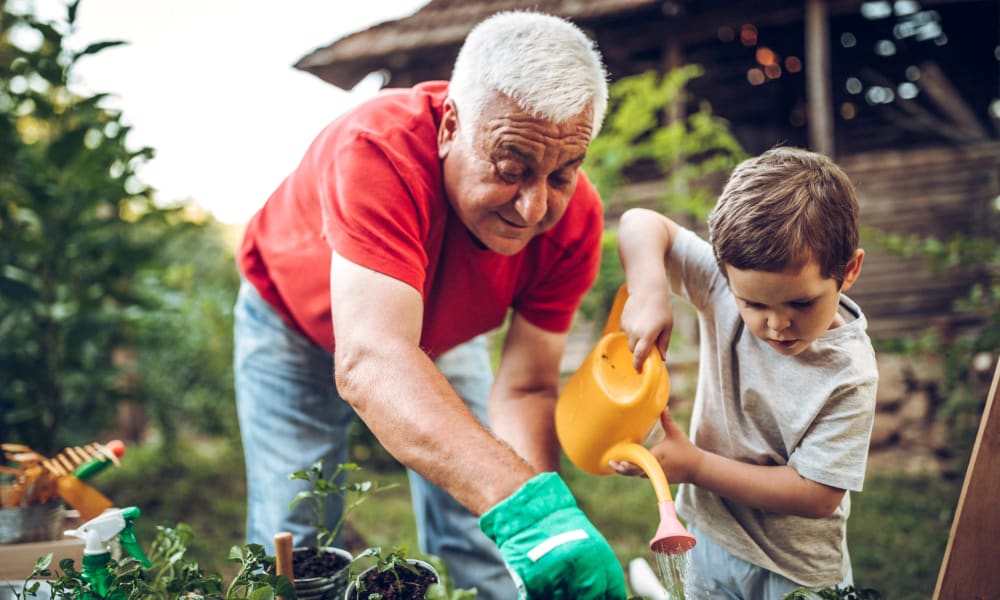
(185,347)
(690,154)
(90,266)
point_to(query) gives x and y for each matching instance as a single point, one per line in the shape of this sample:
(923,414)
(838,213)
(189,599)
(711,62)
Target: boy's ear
(852,270)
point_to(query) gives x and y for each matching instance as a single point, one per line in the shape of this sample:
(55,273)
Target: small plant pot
(35,523)
(331,586)
(413,586)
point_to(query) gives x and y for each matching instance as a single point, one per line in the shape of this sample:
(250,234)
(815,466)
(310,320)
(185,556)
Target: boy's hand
(550,546)
(647,320)
(678,457)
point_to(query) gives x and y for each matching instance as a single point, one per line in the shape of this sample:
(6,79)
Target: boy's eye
(800,304)
(753,305)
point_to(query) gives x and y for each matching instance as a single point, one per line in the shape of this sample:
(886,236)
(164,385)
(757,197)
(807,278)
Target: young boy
(786,386)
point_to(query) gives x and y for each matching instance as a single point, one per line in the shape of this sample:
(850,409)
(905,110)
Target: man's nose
(532,203)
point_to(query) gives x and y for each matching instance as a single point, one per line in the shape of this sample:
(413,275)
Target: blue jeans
(291,415)
(715,574)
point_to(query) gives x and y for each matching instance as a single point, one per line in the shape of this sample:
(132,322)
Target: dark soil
(306,563)
(411,585)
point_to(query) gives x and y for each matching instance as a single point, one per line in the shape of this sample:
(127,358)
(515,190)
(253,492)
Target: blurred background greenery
(116,315)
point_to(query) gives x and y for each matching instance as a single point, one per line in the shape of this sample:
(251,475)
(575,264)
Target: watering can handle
(614,322)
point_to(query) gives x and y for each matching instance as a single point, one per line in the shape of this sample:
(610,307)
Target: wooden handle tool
(283,556)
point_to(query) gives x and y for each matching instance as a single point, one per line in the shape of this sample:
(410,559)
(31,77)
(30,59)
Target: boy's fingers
(662,342)
(623,467)
(665,418)
(639,354)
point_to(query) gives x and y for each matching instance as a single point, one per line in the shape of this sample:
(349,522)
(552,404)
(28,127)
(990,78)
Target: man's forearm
(527,423)
(422,422)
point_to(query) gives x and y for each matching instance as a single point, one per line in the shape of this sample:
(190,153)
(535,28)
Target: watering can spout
(670,537)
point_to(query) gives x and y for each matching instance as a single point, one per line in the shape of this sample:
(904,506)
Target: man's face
(508,175)
(792,308)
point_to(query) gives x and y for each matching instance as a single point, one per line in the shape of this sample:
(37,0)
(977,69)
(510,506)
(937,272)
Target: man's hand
(550,546)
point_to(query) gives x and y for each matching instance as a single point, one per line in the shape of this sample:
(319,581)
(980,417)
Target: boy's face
(790,309)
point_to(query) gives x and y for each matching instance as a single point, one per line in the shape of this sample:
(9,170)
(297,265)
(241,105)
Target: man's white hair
(545,64)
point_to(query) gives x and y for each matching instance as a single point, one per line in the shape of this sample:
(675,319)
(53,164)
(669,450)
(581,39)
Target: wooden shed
(905,95)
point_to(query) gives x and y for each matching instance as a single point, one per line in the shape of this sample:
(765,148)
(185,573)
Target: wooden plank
(819,95)
(969,569)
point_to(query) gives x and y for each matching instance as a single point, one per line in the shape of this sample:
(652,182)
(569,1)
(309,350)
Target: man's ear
(853,269)
(448,129)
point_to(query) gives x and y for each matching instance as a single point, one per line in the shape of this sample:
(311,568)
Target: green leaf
(262,593)
(96,47)
(236,553)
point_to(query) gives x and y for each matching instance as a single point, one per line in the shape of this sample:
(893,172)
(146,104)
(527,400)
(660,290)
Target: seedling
(394,575)
(352,494)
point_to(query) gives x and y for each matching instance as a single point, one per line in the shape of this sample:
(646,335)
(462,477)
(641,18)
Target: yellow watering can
(607,408)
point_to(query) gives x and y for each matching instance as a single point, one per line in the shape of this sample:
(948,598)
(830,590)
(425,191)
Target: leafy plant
(849,592)
(394,563)
(352,494)
(171,576)
(396,575)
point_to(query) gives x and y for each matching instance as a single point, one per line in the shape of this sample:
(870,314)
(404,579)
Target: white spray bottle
(97,534)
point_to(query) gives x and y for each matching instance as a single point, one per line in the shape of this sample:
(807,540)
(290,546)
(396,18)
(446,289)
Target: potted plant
(321,571)
(393,576)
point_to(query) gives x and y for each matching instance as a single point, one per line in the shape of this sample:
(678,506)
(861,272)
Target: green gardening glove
(551,548)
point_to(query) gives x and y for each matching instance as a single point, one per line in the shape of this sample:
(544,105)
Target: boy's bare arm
(645,239)
(778,489)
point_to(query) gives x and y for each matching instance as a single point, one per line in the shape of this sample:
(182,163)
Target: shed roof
(442,25)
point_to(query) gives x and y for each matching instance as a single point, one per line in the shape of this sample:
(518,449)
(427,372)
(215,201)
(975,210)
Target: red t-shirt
(370,187)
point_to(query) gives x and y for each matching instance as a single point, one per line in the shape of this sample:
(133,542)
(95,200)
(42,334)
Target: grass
(897,531)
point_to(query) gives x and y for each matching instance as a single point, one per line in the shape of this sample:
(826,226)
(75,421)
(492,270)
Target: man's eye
(509,172)
(559,180)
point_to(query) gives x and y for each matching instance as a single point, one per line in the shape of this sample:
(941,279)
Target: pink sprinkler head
(671,537)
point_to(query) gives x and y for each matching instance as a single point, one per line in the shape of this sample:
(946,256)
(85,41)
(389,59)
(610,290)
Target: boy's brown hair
(783,208)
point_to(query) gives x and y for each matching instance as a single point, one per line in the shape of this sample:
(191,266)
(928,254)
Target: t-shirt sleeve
(378,223)
(693,270)
(834,451)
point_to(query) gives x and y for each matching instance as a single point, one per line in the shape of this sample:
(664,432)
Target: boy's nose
(777,322)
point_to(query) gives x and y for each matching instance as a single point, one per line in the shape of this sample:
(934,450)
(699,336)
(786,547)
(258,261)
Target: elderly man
(413,225)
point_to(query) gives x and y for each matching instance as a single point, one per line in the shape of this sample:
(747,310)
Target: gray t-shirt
(813,411)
